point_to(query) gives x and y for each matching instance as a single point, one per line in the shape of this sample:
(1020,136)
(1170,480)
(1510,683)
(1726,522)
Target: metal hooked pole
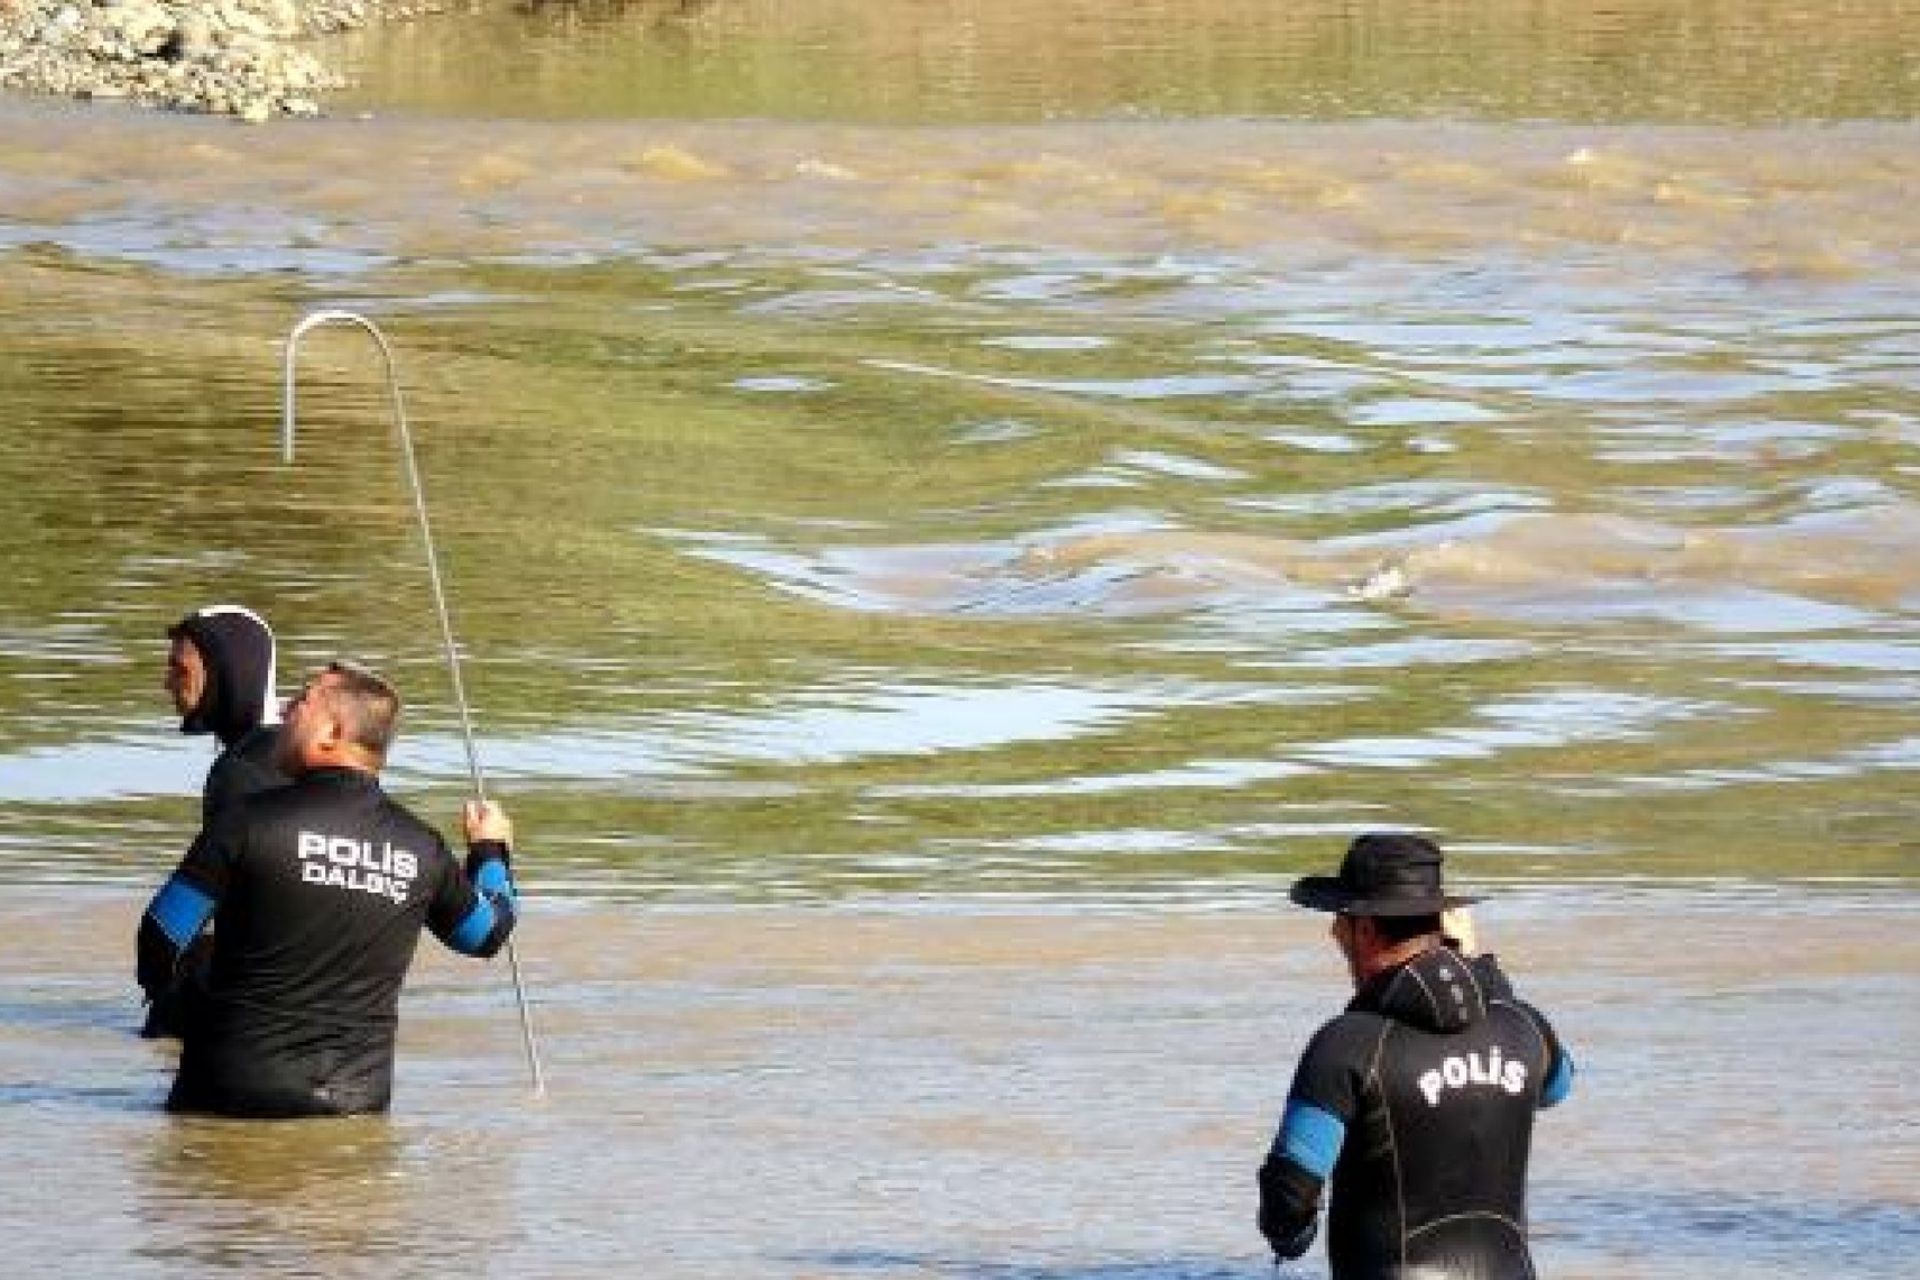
(313,321)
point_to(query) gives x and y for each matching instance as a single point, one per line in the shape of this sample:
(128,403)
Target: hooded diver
(220,674)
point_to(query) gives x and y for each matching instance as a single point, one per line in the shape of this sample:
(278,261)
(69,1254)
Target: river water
(947,510)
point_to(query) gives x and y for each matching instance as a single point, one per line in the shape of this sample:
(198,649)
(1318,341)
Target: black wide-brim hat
(1382,875)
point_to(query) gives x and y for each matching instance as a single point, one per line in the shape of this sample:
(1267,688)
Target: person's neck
(1384,958)
(230,737)
(329,762)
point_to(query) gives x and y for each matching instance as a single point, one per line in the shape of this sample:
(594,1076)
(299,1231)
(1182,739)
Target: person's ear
(333,729)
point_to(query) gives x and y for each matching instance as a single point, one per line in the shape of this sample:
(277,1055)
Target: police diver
(1417,1102)
(318,891)
(220,675)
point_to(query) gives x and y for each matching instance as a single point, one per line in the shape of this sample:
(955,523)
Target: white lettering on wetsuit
(1458,1072)
(345,863)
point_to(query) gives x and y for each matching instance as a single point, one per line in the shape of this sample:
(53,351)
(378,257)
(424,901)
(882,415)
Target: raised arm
(474,913)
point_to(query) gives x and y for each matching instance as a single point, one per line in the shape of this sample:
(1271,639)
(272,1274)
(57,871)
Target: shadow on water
(261,1163)
(270,1198)
(880,1261)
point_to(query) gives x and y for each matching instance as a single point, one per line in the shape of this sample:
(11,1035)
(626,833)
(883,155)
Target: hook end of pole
(313,320)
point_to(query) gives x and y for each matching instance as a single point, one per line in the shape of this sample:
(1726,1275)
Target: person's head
(1387,900)
(345,716)
(186,673)
(1373,943)
(220,671)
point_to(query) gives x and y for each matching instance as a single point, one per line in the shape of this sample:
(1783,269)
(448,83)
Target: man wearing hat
(1418,1101)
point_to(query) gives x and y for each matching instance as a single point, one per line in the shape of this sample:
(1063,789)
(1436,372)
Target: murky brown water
(948,509)
(836,509)
(1010,1095)
(967,61)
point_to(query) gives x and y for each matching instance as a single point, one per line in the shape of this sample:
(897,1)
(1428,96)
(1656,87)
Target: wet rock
(141,27)
(280,17)
(192,39)
(244,58)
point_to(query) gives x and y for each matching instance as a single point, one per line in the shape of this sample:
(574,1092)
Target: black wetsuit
(1419,1102)
(246,766)
(236,706)
(318,892)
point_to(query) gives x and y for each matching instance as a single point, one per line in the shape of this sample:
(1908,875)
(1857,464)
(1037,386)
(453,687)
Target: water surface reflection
(1760,60)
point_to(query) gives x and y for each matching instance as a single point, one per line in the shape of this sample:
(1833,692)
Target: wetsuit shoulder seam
(1461,1217)
(1376,1084)
(1432,1003)
(1379,1048)
(1480,992)
(1540,1038)
(312,1014)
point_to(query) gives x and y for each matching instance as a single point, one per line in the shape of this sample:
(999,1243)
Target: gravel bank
(244,58)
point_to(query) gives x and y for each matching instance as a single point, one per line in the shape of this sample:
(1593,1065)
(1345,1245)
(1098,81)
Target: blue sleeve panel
(1559,1081)
(473,931)
(491,879)
(1311,1137)
(181,910)
(485,928)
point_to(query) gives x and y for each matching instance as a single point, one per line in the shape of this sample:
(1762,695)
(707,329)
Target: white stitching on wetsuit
(1433,1001)
(1546,1054)
(1393,1142)
(1476,1213)
(1479,992)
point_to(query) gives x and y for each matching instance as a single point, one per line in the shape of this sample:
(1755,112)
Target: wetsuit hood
(237,647)
(1436,991)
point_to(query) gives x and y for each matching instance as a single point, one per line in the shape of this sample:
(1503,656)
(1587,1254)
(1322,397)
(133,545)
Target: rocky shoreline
(243,58)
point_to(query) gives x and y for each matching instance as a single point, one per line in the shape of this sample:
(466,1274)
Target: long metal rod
(313,321)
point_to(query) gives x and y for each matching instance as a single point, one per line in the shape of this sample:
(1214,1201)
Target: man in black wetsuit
(220,673)
(1418,1101)
(220,664)
(318,891)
